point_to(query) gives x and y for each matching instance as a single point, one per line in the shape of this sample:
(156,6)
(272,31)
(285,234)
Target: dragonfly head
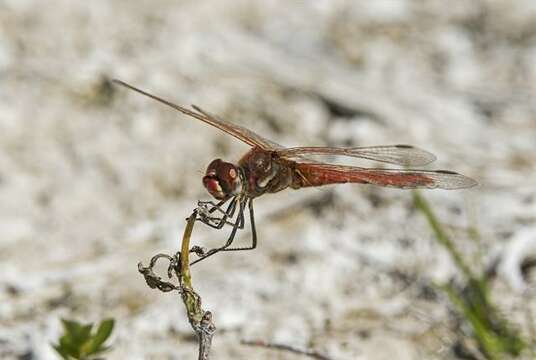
(222,179)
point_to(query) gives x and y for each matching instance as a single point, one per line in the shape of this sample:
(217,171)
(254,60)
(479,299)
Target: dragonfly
(270,168)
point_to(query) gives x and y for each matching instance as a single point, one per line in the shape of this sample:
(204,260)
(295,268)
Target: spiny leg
(217,222)
(214,206)
(253,232)
(204,211)
(239,224)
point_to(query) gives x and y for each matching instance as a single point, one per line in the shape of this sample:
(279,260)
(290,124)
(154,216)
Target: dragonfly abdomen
(312,174)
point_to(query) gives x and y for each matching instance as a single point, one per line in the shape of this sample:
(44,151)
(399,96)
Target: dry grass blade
(294,349)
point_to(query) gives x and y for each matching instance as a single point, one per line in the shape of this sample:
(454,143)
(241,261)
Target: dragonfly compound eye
(222,179)
(213,187)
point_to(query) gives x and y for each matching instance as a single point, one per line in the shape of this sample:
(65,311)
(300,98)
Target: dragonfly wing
(406,155)
(317,174)
(239,132)
(254,138)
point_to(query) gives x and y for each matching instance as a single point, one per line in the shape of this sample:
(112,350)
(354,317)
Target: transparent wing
(239,132)
(406,155)
(251,136)
(317,174)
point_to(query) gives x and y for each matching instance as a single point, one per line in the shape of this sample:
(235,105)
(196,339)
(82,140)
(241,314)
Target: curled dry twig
(200,320)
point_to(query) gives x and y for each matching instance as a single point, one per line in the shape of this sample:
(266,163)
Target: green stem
(190,298)
(441,235)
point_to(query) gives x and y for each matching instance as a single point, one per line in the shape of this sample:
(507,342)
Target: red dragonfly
(269,168)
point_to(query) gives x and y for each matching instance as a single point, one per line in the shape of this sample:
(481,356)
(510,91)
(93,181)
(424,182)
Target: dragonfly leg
(238,224)
(213,206)
(215,221)
(253,232)
(206,208)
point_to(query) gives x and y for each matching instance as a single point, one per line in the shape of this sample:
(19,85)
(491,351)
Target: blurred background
(95,178)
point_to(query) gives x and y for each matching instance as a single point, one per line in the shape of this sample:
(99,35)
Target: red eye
(213,187)
(222,179)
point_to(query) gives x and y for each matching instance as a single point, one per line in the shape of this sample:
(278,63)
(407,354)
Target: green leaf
(78,342)
(68,347)
(104,331)
(61,351)
(78,333)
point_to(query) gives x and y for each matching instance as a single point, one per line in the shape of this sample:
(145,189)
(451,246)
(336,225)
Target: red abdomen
(314,174)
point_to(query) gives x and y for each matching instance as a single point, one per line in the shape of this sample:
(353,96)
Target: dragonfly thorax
(222,179)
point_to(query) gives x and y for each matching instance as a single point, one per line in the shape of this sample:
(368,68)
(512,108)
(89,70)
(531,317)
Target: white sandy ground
(91,184)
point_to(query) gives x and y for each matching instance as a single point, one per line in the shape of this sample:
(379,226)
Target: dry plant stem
(311,353)
(200,320)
